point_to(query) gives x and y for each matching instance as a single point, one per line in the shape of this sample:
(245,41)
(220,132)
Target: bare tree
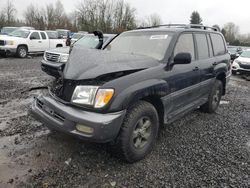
(34,17)
(9,11)
(231,32)
(106,15)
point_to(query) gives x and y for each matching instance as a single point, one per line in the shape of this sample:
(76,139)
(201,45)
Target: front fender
(137,91)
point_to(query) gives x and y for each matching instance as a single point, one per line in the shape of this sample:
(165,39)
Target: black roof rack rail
(185,26)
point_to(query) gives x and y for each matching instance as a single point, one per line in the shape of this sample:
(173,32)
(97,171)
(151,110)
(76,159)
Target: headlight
(84,95)
(64,58)
(44,56)
(91,95)
(9,42)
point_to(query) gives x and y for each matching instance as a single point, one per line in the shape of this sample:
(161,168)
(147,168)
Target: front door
(35,42)
(183,79)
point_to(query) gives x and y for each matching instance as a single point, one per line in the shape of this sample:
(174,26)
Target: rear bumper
(65,118)
(52,68)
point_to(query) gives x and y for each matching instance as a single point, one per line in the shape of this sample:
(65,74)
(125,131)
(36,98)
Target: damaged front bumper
(99,127)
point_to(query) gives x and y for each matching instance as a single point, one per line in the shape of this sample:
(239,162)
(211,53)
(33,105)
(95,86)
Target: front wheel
(138,132)
(22,51)
(214,98)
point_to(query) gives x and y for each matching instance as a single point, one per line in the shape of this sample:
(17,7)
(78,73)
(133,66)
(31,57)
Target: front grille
(52,57)
(2,43)
(244,66)
(52,113)
(63,89)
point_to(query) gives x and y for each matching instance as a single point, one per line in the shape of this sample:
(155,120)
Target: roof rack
(185,26)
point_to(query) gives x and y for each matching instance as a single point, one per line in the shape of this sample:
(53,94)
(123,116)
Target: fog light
(84,129)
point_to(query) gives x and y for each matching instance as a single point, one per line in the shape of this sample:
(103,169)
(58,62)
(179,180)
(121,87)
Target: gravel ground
(199,150)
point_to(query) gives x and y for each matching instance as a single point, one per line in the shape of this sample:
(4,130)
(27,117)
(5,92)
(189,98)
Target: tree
(106,15)
(195,18)
(151,20)
(231,32)
(10,12)
(223,31)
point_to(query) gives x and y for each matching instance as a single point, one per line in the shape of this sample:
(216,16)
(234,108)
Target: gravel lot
(204,150)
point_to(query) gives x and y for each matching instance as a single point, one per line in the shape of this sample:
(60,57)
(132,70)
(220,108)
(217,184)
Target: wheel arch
(222,77)
(59,45)
(23,45)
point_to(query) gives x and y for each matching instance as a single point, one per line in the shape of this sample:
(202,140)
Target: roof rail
(185,26)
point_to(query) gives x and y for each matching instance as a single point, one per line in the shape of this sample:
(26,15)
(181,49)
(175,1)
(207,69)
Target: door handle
(40,41)
(195,69)
(215,63)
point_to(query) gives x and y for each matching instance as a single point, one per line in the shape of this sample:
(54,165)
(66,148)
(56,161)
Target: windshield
(77,35)
(20,33)
(153,44)
(89,41)
(7,30)
(52,34)
(245,54)
(232,50)
(62,33)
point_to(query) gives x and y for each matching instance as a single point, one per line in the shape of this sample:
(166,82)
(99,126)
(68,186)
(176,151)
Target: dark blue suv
(143,78)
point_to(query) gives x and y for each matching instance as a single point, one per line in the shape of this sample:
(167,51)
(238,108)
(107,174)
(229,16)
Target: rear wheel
(22,51)
(214,98)
(138,132)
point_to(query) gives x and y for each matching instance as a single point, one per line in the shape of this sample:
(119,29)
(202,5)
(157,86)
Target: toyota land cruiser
(145,78)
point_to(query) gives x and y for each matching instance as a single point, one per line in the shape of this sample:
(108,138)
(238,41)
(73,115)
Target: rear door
(206,62)
(35,43)
(183,79)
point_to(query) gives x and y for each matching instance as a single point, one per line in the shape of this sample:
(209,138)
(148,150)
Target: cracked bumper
(65,118)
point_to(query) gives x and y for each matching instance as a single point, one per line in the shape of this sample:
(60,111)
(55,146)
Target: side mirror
(32,38)
(182,58)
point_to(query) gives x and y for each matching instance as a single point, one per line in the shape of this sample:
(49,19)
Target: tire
(214,98)
(22,51)
(138,132)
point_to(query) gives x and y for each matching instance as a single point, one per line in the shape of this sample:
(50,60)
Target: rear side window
(43,35)
(35,36)
(185,44)
(202,46)
(218,44)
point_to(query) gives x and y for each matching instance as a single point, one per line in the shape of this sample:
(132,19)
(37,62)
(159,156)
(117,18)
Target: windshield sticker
(158,37)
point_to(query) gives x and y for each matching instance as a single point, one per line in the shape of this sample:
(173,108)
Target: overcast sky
(173,11)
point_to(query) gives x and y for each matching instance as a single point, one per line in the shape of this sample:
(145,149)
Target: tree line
(110,16)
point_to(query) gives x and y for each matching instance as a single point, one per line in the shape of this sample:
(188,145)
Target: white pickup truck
(22,42)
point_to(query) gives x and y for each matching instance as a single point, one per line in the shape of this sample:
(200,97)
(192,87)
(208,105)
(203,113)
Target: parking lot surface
(210,150)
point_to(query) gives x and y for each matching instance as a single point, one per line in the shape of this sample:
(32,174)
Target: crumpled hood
(90,63)
(64,50)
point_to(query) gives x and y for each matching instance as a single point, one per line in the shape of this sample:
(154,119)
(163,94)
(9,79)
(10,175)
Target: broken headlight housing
(92,96)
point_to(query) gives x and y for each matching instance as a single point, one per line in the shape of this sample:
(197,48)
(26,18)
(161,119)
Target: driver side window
(185,44)
(35,36)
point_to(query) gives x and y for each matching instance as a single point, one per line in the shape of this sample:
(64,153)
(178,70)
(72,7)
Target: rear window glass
(43,35)
(202,46)
(218,44)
